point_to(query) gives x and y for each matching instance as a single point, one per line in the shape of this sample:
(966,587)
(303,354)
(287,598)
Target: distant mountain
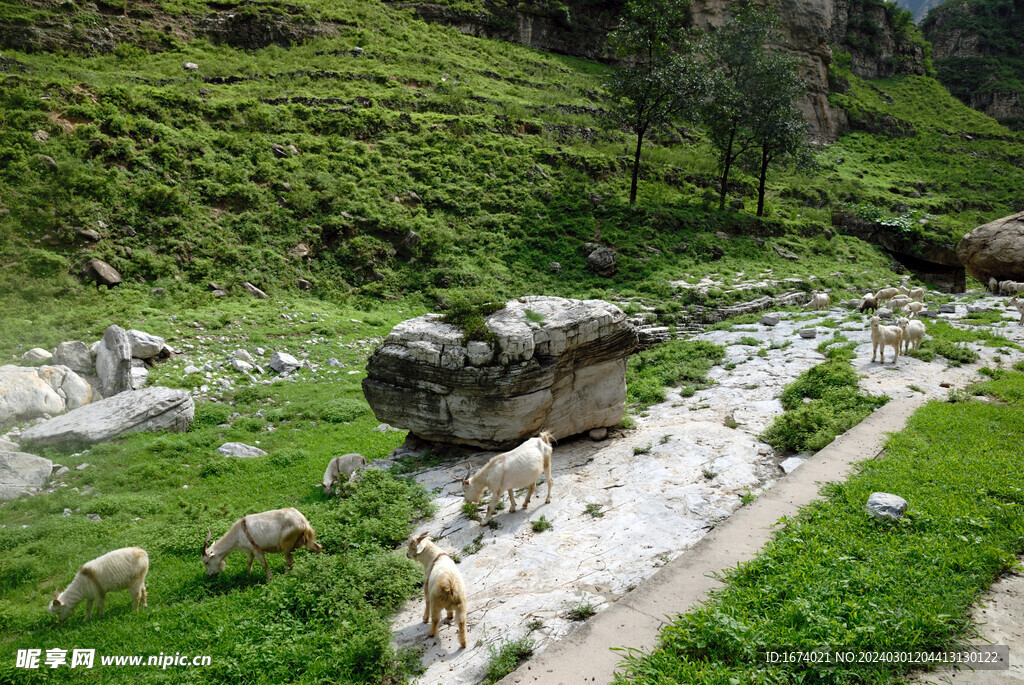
(919,8)
(976,47)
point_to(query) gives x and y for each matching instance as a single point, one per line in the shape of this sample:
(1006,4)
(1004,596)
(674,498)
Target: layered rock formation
(995,250)
(554,364)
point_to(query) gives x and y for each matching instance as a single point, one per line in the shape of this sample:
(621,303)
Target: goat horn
(209,534)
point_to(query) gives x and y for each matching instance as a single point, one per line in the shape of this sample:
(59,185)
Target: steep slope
(978,56)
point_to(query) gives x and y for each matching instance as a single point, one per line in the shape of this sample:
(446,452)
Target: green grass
(505,658)
(821,403)
(671,364)
(834,578)
(950,342)
(581,611)
(594,510)
(540,525)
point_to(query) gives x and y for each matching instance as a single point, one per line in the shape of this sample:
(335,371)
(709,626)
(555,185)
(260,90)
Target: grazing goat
(993,285)
(869,303)
(280,530)
(903,290)
(518,468)
(122,569)
(899,302)
(1010,287)
(917,294)
(1020,308)
(914,308)
(817,301)
(885,335)
(443,587)
(913,333)
(886,294)
(341,469)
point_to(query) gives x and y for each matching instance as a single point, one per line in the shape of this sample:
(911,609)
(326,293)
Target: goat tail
(449,590)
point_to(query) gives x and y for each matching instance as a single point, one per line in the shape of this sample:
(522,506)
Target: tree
(776,125)
(657,83)
(736,57)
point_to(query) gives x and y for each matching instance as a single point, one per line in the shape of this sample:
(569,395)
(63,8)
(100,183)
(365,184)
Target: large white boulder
(150,409)
(22,473)
(554,364)
(144,345)
(30,392)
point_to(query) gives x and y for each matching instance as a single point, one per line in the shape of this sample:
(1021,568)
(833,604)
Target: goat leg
(512,499)
(263,560)
(529,494)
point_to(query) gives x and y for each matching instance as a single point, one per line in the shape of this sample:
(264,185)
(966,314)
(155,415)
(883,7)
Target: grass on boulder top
(832,577)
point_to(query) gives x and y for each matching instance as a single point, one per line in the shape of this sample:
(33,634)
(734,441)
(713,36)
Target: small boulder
(808,332)
(36,354)
(114,361)
(241,366)
(554,267)
(282,362)
(74,355)
(597,434)
(770,320)
(947,308)
(139,374)
(102,273)
(243,355)
(254,291)
(144,345)
(882,505)
(603,261)
(407,247)
(304,284)
(190,66)
(22,473)
(240,450)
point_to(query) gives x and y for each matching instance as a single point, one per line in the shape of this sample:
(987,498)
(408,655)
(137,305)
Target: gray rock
(808,332)
(883,313)
(995,250)
(603,261)
(151,409)
(8,446)
(407,247)
(254,291)
(565,375)
(102,273)
(67,512)
(241,366)
(598,433)
(190,369)
(139,374)
(62,470)
(93,517)
(31,392)
(282,362)
(74,355)
(770,320)
(241,450)
(333,361)
(947,308)
(928,314)
(22,473)
(243,355)
(304,284)
(114,361)
(785,254)
(554,267)
(41,136)
(144,345)
(792,464)
(882,505)
(36,354)
(190,66)
(83,466)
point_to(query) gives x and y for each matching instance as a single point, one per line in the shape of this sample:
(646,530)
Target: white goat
(917,294)
(1019,304)
(913,333)
(280,530)
(993,285)
(1010,287)
(903,290)
(899,302)
(817,301)
(122,569)
(341,469)
(886,294)
(885,335)
(443,587)
(914,308)
(518,468)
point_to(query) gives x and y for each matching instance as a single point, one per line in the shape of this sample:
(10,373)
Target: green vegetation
(821,403)
(594,509)
(581,611)
(950,342)
(540,525)
(674,363)
(505,658)
(834,578)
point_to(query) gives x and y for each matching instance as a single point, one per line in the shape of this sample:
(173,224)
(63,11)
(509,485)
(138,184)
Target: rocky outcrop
(995,250)
(22,473)
(152,409)
(30,392)
(553,364)
(74,355)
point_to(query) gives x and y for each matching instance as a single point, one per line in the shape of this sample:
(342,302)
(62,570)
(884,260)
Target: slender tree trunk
(760,185)
(727,162)
(636,166)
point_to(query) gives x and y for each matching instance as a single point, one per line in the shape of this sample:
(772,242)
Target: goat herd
(286,530)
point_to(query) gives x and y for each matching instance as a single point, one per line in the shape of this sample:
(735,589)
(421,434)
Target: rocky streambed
(625,506)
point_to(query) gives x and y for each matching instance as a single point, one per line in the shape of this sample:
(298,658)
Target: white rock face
(151,409)
(30,392)
(36,354)
(556,365)
(240,449)
(144,345)
(22,473)
(74,355)
(114,361)
(139,373)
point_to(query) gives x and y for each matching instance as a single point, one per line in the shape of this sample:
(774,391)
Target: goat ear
(56,594)
(421,536)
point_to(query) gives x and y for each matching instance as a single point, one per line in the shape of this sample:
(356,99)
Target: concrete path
(585,655)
